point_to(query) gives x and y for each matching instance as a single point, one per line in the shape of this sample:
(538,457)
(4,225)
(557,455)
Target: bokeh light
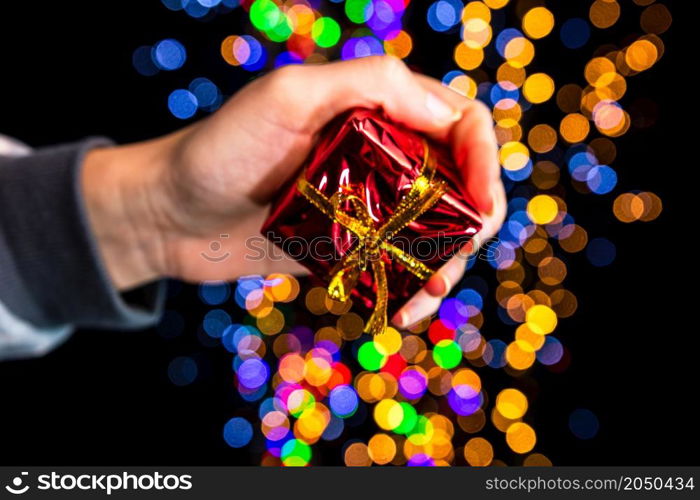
(300,360)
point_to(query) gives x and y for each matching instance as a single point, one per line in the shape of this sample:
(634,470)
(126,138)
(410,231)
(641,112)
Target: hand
(156,206)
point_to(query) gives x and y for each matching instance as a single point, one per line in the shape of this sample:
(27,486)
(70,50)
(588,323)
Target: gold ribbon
(373,241)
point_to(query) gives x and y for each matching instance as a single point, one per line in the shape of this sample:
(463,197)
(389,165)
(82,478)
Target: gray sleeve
(51,273)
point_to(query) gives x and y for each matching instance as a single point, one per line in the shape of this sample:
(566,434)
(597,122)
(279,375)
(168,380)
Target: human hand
(156,206)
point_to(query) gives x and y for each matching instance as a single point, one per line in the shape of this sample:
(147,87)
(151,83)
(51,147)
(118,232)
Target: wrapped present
(375,211)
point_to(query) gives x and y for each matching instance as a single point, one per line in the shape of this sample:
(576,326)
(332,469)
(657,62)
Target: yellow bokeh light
(574,127)
(508,73)
(545,174)
(551,271)
(521,437)
(496,4)
(604,13)
(316,300)
(641,55)
(272,323)
(357,455)
(542,209)
(301,18)
(520,355)
(350,325)
(476,10)
(569,98)
(292,367)
(608,115)
(389,342)
(600,71)
(538,88)
(468,57)
(537,460)
(399,46)
(514,155)
(511,403)
(541,319)
(388,414)
(524,334)
(500,422)
(519,52)
(508,130)
(281,287)
(478,452)
(312,422)
(656,19)
(538,22)
(381,449)
(465,85)
(465,376)
(476,33)
(652,206)
(318,371)
(542,138)
(472,423)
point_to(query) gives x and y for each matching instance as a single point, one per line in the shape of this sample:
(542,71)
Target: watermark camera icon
(215,247)
(16,487)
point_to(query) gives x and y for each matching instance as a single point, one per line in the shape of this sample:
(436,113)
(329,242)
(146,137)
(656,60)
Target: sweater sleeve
(51,274)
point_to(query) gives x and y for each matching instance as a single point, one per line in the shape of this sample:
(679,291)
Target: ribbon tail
(344,277)
(413,265)
(377,323)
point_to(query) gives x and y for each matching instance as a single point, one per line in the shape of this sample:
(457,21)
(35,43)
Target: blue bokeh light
(584,423)
(214,292)
(169,54)
(444,14)
(575,33)
(238,432)
(216,322)
(601,252)
(182,371)
(143,61)
(182,104)
(601,179)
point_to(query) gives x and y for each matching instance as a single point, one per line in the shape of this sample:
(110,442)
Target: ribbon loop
(373,242)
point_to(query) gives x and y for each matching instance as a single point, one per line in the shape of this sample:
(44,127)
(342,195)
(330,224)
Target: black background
(105,398)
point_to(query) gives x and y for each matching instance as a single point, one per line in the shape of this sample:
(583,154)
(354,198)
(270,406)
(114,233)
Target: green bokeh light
(296,453)
(410,417)
(265,15)
(447,354)
(325,32)
(369,357)
(281,31)
(308,402)
(358,11)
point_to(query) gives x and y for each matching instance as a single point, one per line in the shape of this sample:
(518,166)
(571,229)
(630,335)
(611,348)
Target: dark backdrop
(105,397)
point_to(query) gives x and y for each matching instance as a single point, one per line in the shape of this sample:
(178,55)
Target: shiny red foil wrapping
(377,160)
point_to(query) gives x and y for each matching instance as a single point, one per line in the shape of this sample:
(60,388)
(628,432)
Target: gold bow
(373,240)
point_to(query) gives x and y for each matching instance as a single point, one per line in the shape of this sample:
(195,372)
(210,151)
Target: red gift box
(374,212)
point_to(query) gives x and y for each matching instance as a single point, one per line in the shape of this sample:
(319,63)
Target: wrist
(123,189)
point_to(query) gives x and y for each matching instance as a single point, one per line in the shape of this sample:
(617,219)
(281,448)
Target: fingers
(476,153)
(378,82)
(492,221)
(445,278)
(421,305)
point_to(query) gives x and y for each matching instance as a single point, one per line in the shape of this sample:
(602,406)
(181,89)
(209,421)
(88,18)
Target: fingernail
(494,198)
(446,284)
(401,319)
(476,244)
(442,112)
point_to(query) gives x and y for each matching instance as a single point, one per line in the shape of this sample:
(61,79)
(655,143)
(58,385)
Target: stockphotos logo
(106,483)
(17,486)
